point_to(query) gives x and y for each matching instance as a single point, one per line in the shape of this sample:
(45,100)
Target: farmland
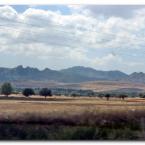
(61,104)
(65,118)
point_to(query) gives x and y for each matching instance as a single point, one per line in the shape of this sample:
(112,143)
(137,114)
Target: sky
(104,37)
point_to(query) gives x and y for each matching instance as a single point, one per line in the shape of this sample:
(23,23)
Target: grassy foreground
(71,119)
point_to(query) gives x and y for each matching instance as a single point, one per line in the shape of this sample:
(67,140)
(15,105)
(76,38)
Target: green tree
(28,92)
(45,92)
(6,89)
(107,96)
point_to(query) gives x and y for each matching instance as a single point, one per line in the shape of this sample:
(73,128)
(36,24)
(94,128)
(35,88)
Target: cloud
(109,58)
(124,11)
(50,35)
(8,12)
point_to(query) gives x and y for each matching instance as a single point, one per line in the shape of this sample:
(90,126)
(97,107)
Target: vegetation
(123,96)
(107,96)
(6,89)
(92,118)
(45,92)
(87,125)
(73,92)
(100,95)
(28,92)
(83,93)
(141,95)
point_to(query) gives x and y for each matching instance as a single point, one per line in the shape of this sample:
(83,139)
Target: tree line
(108,96)
(7,89)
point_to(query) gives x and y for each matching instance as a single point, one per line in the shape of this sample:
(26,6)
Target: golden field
(71,118)
(62,106)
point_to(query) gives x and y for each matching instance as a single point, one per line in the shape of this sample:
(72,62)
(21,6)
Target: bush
(6,89)
(28,92)
(45,92)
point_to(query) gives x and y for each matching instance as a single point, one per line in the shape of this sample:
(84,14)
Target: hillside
(75,75)
(71,75)
(95,74)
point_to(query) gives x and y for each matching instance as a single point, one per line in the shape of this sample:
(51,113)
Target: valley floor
(71,118)
(16,105)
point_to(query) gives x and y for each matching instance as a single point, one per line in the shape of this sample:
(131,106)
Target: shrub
(45,92)
(28,92)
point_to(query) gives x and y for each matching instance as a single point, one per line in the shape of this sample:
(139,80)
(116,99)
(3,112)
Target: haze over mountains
(76,74)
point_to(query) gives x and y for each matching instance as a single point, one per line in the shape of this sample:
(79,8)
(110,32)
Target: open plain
(65,106)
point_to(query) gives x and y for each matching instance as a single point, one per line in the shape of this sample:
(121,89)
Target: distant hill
(136,77)
(75,74)
(95,74)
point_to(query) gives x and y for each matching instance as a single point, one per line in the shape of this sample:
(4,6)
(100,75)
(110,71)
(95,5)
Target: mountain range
(76,74)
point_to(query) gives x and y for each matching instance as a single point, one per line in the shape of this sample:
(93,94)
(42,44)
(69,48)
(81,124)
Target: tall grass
(87,125)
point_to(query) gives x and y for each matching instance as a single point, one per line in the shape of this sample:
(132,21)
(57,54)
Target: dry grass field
(63,106)
(71,118)
(110,85)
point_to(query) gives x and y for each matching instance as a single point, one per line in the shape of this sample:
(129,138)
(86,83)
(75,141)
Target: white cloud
(135,64)
(8,12)
(110,58)
(124,11)
(48,34)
